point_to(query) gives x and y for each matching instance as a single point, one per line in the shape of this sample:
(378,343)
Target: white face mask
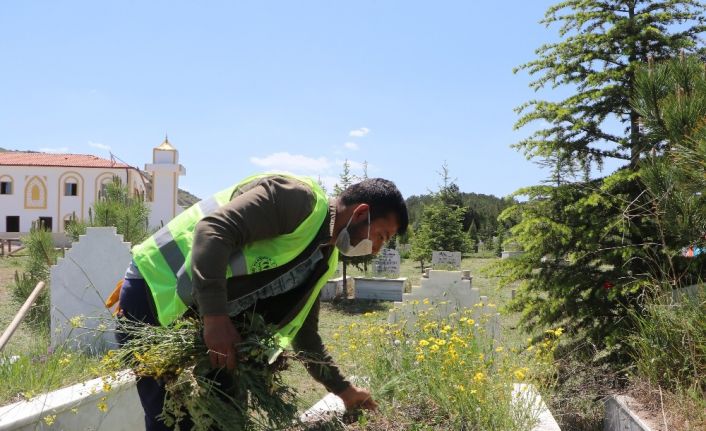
(343,242)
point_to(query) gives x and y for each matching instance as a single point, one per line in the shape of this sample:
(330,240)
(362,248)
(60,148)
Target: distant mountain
(186,199)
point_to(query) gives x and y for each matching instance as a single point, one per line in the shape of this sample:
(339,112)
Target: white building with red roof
(54,188)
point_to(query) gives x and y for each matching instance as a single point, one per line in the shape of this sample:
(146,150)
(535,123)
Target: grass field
(345,312)
(333,315)
(23,337)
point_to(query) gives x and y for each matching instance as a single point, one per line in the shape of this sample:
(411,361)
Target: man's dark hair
(383,197)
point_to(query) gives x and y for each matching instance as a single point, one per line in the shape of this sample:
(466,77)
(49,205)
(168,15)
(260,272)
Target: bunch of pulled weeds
(252,397)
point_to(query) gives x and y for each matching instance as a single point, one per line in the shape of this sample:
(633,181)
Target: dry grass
(667,410)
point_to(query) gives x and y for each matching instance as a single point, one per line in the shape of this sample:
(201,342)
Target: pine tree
(441,224)
(346,178)
(602,44)
(584,264)
(117,208)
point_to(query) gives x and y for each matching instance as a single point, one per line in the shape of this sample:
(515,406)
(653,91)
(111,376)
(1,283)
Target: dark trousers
(137,306)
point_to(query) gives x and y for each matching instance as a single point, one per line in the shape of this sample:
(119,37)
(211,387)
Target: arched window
(35,193)
(6,185)
(102,182)
(71,186)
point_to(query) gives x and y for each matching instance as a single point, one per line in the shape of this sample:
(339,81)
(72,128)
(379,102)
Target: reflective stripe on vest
(164,259)
(286,334)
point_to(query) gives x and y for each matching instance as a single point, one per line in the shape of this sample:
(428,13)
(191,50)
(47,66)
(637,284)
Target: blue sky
(247,87)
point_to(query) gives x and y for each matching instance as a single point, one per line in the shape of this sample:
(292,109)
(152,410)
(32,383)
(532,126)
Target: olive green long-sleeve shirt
(264,209)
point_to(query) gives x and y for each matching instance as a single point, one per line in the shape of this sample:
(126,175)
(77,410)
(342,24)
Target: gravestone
(334,288)
(387,262)
(80,283)
(443,293)
(511,253)
(450,259)
(380,288)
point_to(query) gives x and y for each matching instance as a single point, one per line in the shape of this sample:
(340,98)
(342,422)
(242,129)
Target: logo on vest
(262,263)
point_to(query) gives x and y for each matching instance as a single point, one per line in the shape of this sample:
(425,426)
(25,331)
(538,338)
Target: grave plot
(386,283)
(441,365)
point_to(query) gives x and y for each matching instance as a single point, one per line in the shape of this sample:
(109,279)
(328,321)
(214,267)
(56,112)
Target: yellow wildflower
(499,349)
(103,405)
(434,348)
(76,321)
(49,419)
(479,376)
(426,301)
(423,343)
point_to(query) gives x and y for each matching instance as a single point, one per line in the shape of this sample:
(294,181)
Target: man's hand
(220,337)
(354,397)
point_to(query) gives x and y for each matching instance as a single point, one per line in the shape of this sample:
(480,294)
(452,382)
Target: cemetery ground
(44,370)
(576,401)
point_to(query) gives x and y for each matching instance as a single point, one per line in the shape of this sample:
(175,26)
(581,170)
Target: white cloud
(292,162)
(55,150)
(99,145)
(359,133)
(351,146)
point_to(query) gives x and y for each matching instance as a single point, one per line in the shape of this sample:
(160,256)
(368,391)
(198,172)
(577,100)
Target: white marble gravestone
(387,262)
(450,259)
(446,292)
(334,288)
(80,283)
(380,288)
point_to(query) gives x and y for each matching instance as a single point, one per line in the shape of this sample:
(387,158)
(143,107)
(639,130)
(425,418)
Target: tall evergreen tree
(346,178)
(603,41)
(441,225)
(582,266)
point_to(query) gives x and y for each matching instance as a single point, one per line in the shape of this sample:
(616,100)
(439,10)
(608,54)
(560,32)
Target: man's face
(381,230)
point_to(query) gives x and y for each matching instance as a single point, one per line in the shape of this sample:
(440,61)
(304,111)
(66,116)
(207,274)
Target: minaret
(165,171)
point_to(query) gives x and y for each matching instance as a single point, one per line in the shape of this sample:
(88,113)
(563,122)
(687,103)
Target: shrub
(41,255)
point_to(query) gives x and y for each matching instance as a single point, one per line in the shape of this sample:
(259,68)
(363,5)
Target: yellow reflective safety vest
(164,259)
